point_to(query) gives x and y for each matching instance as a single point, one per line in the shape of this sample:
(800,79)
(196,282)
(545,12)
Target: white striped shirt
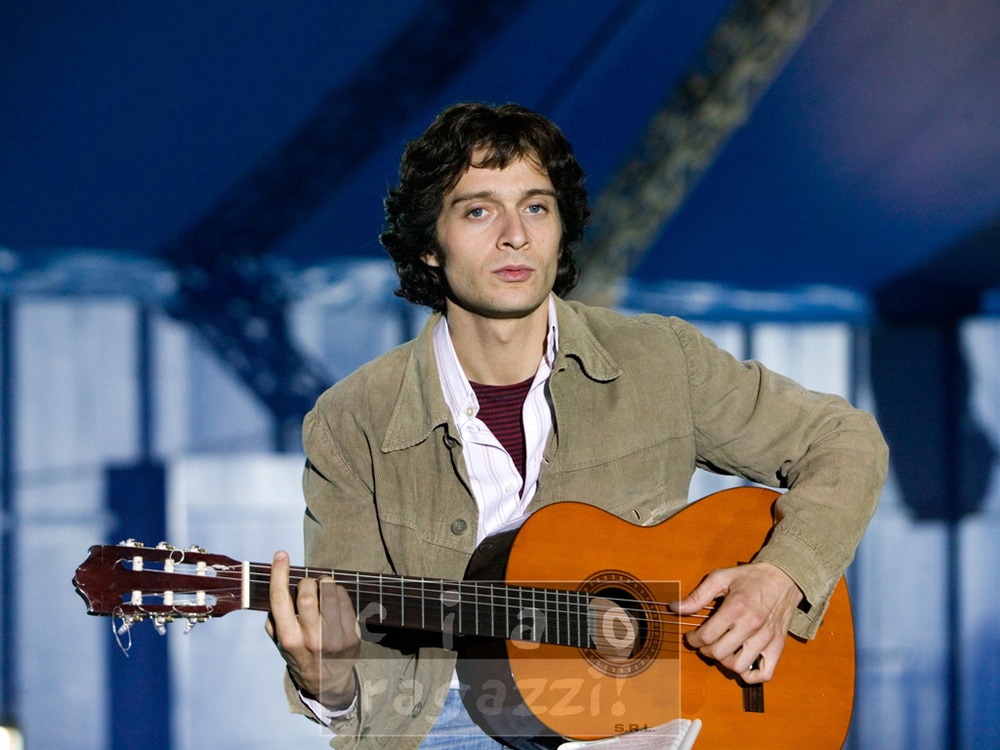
(496,482)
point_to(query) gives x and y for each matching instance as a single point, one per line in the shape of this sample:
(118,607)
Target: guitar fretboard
(458,608)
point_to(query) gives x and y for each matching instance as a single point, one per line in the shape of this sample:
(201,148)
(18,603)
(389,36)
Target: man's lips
(513,273)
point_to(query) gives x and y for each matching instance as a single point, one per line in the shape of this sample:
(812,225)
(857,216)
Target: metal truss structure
(740,60)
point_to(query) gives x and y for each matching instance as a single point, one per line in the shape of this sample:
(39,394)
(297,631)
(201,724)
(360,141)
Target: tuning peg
(159,624)
(125,630)
(130,543)
(192,621)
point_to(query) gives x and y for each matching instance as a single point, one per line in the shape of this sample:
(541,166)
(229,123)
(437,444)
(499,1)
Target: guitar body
(533,695)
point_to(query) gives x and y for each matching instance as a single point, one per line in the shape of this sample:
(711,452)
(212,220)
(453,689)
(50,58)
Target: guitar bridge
(753,698)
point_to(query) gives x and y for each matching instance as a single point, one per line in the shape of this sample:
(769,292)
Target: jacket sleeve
(830,456)
(342,532)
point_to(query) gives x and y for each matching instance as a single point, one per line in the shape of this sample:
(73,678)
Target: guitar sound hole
(627,634)
(618,625)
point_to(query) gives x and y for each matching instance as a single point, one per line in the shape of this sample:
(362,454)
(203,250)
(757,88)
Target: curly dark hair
(434,163)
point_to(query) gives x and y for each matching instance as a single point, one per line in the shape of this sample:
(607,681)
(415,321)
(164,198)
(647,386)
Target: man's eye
(536,208)
(476,213)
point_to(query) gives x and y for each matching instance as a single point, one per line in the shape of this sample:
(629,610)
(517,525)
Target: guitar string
(396,586)
(397,590)
(260,574)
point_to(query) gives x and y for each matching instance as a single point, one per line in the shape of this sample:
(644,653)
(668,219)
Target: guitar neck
(459,608)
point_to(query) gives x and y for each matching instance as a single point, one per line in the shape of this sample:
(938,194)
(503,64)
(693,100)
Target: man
(511,399)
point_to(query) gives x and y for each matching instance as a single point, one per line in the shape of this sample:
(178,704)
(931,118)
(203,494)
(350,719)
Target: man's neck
(499,351)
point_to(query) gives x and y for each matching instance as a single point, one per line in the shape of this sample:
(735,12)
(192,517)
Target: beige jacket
(638,403)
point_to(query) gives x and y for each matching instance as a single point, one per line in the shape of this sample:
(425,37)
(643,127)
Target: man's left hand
(752,621)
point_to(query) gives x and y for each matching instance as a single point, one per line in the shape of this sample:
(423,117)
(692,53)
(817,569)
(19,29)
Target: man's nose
(513,234)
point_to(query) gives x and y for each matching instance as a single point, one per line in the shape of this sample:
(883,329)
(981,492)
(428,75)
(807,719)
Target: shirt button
(469,411)
(459,526)
(510,488)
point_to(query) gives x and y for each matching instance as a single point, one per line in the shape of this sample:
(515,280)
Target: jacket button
(416,710)
(459,526)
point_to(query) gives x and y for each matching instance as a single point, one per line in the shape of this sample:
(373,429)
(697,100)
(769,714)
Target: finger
(761,649)
(309,614)
(340,624)
(743,659)
(712,586)
(719,637)
(282,619)
(765,665)
(761,670)
(346,613)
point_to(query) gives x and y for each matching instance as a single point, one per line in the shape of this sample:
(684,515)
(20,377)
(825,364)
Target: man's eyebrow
(489,194)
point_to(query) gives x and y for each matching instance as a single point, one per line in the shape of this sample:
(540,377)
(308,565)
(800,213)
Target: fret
(423,598)
(525,615)
(513,613)
(441,608)
(539,617)
(357,590)
(493,611)
(479,628)
(550,607)
(570,639)
(506,612)
(475,608)
(566,632)
(466,612)
(484,609)
(558,618)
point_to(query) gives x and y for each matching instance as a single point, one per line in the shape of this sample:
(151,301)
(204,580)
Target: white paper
(678,734)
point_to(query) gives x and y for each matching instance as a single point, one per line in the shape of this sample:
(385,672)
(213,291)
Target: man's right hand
(317,635)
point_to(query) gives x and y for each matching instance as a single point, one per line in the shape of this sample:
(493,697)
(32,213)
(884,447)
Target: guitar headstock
(133,582)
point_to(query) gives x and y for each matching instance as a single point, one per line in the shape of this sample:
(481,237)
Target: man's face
(499,233)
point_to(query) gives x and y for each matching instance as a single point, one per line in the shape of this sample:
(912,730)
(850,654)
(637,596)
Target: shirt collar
(458,393)
(420,405)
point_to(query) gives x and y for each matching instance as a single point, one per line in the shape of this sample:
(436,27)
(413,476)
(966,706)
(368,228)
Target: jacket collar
(420,404)
(577,341)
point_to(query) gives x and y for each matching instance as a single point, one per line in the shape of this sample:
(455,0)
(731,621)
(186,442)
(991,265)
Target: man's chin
(500,310)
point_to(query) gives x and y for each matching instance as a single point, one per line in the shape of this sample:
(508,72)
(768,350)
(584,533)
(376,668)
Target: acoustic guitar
(561,626)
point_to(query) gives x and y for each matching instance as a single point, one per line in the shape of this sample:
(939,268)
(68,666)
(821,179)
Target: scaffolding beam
(743,56)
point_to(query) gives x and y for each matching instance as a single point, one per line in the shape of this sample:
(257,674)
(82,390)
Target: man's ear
(431,259)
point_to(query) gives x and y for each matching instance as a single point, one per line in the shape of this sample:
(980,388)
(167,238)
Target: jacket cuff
(801,563)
